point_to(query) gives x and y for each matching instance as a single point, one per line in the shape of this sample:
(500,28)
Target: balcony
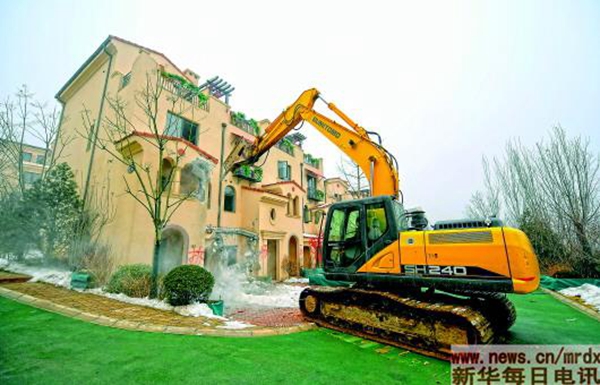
(182,88)
(316,194)
(239,120)
(251,173)
(286,146)
(314,162)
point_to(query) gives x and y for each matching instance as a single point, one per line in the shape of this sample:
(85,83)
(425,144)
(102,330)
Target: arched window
(229,199)
(289,204)
(166,177)
(296,206)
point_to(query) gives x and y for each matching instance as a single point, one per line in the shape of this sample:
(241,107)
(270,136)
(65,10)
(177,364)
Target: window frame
(180,127)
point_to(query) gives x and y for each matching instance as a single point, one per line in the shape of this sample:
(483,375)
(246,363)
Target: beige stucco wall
(130,234)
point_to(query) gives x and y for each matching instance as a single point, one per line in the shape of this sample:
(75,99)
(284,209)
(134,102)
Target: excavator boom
(377,164)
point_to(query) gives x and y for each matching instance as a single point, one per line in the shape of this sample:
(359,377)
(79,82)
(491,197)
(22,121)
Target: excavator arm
(377,164)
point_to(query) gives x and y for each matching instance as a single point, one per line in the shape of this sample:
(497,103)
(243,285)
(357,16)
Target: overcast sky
(442,82)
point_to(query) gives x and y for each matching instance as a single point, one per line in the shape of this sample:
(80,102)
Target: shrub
(95,259)
(186,284)
(131,280)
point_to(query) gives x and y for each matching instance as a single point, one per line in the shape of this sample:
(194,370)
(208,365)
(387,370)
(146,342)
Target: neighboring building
(268,215)
(34,160)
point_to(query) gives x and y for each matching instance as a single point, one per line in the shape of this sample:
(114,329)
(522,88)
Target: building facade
(266,216)
(31,166)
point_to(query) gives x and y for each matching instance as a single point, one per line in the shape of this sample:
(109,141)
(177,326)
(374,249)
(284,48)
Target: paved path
(105,311)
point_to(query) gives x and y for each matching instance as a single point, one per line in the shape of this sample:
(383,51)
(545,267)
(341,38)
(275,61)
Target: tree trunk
(154,279)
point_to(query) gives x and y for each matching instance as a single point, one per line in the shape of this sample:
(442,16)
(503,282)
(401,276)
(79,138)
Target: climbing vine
(188,86)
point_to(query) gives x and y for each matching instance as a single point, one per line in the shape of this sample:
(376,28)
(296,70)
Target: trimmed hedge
(131,280)
(186,284)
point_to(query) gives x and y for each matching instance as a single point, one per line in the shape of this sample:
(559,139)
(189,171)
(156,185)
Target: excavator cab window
(356,231)
(345,237)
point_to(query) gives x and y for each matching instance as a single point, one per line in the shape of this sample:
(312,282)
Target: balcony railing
(286,146)
(308,159)
(316,195)
(239,120)
(182,88)
(251,173)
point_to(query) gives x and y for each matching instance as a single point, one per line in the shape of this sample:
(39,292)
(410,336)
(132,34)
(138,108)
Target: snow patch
(235,325)
(192,310)
(62,278)
(296,280)
(53,276)
(197,310)
(148,302)
(590,294)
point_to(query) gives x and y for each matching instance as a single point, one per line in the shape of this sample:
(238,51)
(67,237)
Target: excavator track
(427,324)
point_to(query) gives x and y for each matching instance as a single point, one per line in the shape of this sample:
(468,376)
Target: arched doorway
(172,249)
(293,255)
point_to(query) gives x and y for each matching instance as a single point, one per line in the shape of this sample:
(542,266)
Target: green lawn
(41,347)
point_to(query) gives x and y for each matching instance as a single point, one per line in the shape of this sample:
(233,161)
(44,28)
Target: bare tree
(352,174)
(553,190)
(149,184)
(568,175)
(487,203)
(22,119)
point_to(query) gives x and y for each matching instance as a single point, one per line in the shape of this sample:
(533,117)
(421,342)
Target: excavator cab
(359,229)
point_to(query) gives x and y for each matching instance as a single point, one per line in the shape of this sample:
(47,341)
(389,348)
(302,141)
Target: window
(311,181)
(30,177)
(318,216)
(208,195)
(181,128)
(376,222)
(335,228)
(284,170)
(296,206)
(229,199)
(306,214)
(40,159)
(125,80)
(27,156)
(353,225)
(289,204)
(345,238)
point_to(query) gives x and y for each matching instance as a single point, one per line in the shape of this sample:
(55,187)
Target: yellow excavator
(416,286)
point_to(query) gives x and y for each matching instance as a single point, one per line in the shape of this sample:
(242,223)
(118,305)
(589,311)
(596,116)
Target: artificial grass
(41,347)
(543,320)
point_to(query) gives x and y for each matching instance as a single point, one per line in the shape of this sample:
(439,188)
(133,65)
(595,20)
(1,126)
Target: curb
(568,301)
(125,324)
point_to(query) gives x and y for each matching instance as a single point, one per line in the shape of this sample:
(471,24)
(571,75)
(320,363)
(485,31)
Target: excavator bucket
(239,153)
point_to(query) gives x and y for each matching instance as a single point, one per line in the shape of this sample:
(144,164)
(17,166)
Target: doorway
(307,263)
(272,259)
(293,255)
